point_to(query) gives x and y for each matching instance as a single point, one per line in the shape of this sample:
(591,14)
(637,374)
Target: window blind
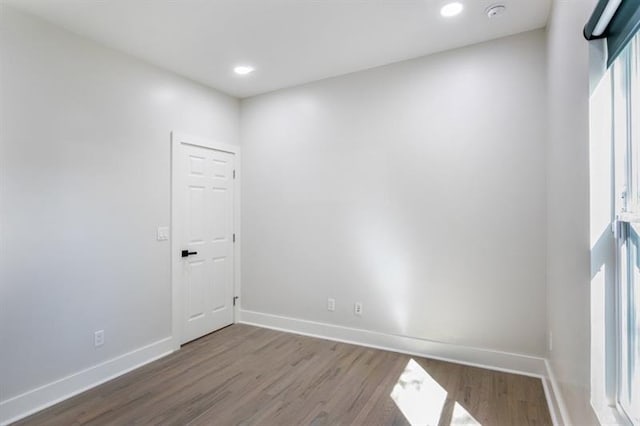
(617,21)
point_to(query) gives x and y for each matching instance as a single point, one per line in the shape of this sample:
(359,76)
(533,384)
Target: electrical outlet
(357,308)
(331,304)
(98,338)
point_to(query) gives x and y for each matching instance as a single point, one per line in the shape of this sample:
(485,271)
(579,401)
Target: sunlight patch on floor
(421,399)
(462,416)
(419,396)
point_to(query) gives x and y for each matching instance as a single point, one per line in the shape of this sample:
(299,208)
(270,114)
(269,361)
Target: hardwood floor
(244,375)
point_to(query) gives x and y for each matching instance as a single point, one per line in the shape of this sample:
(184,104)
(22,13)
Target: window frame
(627,203)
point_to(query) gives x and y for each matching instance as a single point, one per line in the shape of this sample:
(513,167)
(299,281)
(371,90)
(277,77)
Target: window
(626,136)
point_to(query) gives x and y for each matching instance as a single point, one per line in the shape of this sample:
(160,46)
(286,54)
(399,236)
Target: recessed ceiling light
(451,9)
(243,69)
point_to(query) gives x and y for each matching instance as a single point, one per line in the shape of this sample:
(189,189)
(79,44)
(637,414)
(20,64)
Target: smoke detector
(495,10)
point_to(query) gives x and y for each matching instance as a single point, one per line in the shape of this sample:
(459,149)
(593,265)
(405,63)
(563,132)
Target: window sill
(610,415)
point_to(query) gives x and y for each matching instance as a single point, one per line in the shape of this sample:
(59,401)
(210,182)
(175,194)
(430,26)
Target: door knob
(187,253)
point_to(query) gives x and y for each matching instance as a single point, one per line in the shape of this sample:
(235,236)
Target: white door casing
(203,219)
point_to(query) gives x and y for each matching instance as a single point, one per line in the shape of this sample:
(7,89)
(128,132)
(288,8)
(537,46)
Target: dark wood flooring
(243,375)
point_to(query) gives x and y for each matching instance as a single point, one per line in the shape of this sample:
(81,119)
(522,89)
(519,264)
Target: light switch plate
(163,233)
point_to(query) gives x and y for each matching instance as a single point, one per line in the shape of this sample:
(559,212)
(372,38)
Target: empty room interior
(320,212)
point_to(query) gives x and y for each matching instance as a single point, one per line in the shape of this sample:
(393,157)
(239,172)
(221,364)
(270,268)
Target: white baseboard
(549,397)
(44,396)
(556,404)
(476,357)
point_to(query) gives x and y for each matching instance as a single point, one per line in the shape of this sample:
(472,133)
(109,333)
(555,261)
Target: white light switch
(163,233)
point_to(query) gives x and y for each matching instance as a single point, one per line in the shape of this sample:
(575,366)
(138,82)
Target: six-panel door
(205,228)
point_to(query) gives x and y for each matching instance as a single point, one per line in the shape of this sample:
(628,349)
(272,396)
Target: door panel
(220,276)
(196,209)
(195,286)
(204,226)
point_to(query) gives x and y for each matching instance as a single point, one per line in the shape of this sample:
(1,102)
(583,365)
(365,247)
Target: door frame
(177,139)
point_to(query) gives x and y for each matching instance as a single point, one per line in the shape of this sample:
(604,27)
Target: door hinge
(235,299)
(234,174)
(234,238)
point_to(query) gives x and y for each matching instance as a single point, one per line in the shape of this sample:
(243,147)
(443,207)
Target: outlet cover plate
(331,304)
(98,338)
(357,308)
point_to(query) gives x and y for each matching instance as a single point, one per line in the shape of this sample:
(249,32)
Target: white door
(204,230)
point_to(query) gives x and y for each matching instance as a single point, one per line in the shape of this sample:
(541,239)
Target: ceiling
(289,42)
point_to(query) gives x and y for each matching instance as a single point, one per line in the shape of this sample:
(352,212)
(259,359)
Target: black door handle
(187,253)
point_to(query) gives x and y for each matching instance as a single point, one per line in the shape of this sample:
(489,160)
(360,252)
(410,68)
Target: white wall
(85,144)
(416,188)
(568,233)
